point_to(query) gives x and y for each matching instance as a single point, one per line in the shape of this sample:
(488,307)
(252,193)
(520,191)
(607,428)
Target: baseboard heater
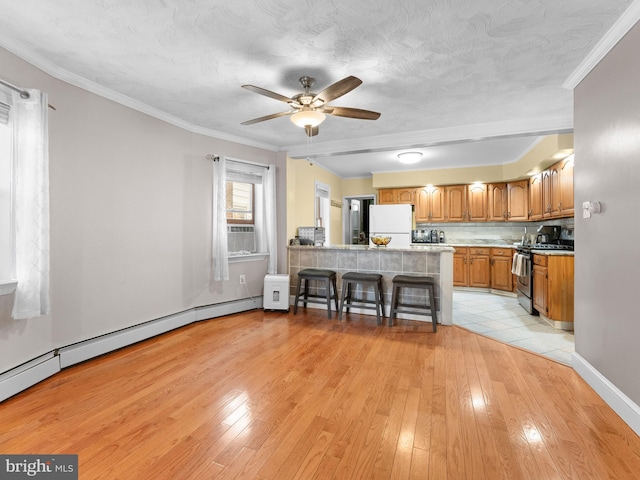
(20,378)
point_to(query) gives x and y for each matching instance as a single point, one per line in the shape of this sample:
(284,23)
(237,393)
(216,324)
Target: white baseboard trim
(95,347)
(227,308)
(616,399)
(20,378)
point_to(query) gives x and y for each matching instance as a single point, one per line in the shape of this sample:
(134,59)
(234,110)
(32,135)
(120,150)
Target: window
(7,244)
(244,204)
(240,204)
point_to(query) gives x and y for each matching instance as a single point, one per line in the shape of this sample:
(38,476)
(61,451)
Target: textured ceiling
(427,65)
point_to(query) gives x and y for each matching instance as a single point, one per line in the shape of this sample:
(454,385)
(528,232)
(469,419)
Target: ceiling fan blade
(267,93)
(337,89)
(267,117)
(311,131)
(352,113)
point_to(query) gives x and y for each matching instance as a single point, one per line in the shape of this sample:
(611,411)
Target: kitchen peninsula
(433,260)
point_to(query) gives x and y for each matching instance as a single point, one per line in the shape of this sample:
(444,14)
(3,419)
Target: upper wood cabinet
(551,192)
(518,201)
(556,185)
(429,204)
(455,203)
(567,208)
(509,201)
(390,196)
(477,210)
(545,195)
(497,202)
(535,197)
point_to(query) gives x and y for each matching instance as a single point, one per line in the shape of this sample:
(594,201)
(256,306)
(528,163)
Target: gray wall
(607,169)
(130,220)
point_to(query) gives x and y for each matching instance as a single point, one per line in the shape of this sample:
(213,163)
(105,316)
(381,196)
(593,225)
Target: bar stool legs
(350,281)
(326,276)
(419,282)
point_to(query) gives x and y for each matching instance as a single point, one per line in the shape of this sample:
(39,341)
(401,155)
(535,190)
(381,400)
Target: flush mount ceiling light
(409,157)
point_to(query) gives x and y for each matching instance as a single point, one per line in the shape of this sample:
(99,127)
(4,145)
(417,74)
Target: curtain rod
(23,93)
(215,158)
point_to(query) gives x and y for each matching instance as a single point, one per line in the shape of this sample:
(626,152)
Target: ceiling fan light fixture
(306,118)
(409,157)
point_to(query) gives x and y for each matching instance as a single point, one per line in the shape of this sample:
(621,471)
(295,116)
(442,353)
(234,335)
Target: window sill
(247,257)
(7,287)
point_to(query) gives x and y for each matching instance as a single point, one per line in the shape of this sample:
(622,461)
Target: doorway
(355,219)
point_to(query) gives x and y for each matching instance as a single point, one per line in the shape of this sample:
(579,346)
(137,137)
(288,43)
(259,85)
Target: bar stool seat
(328,277)
(416,282)
(349,281)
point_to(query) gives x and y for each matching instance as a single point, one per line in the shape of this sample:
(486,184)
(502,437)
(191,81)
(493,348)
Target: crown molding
(619,29)
(55,71)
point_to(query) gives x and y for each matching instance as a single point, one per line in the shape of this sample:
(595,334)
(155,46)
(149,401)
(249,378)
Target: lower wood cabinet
(471,267)
(501,262)
(553,280)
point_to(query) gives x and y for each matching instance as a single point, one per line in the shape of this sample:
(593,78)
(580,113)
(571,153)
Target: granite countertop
(549,253)
(434,247)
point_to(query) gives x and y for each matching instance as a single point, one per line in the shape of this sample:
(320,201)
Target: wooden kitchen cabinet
(540,284)
(497,202)
(551,192)
(509,201)
(479,267)
(476,209)
(455,203)
(565,168)
(518,201)
(429,204)
(461,267)
(386,196)
(393,196)
(553,279)
(501,262)
(535,197)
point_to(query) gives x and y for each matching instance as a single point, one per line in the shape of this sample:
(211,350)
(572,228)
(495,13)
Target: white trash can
(276,292)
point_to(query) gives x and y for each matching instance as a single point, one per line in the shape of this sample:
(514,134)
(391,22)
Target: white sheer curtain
(220,247)
(269,182)
(31,149)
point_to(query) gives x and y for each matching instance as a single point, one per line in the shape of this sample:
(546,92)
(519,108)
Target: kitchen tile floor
(502,318)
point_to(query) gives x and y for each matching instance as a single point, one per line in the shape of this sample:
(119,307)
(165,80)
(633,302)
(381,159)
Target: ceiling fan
(308,110)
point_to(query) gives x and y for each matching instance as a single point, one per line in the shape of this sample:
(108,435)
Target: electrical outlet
(243,280)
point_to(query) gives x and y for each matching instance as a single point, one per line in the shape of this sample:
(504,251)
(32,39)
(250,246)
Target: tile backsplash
(506,233)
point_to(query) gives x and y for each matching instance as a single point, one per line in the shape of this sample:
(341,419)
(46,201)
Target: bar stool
(326,276)
(352,279)
(417,282)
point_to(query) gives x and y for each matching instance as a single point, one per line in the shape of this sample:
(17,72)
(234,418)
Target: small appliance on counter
(427,236)
(548,234)
(311,236)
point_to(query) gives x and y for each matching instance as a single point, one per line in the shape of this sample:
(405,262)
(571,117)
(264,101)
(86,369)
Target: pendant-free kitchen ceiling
(434,70)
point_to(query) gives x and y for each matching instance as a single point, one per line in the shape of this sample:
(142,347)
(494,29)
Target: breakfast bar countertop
(434,260)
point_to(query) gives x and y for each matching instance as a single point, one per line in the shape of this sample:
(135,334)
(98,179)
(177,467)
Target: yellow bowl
(380,241)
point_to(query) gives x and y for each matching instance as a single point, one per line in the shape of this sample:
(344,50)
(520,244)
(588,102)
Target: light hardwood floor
(270,395)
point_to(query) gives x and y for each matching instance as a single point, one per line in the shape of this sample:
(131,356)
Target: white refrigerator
(395,221)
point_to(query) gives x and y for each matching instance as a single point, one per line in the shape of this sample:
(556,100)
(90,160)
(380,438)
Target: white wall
(130,220)
(607,169)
